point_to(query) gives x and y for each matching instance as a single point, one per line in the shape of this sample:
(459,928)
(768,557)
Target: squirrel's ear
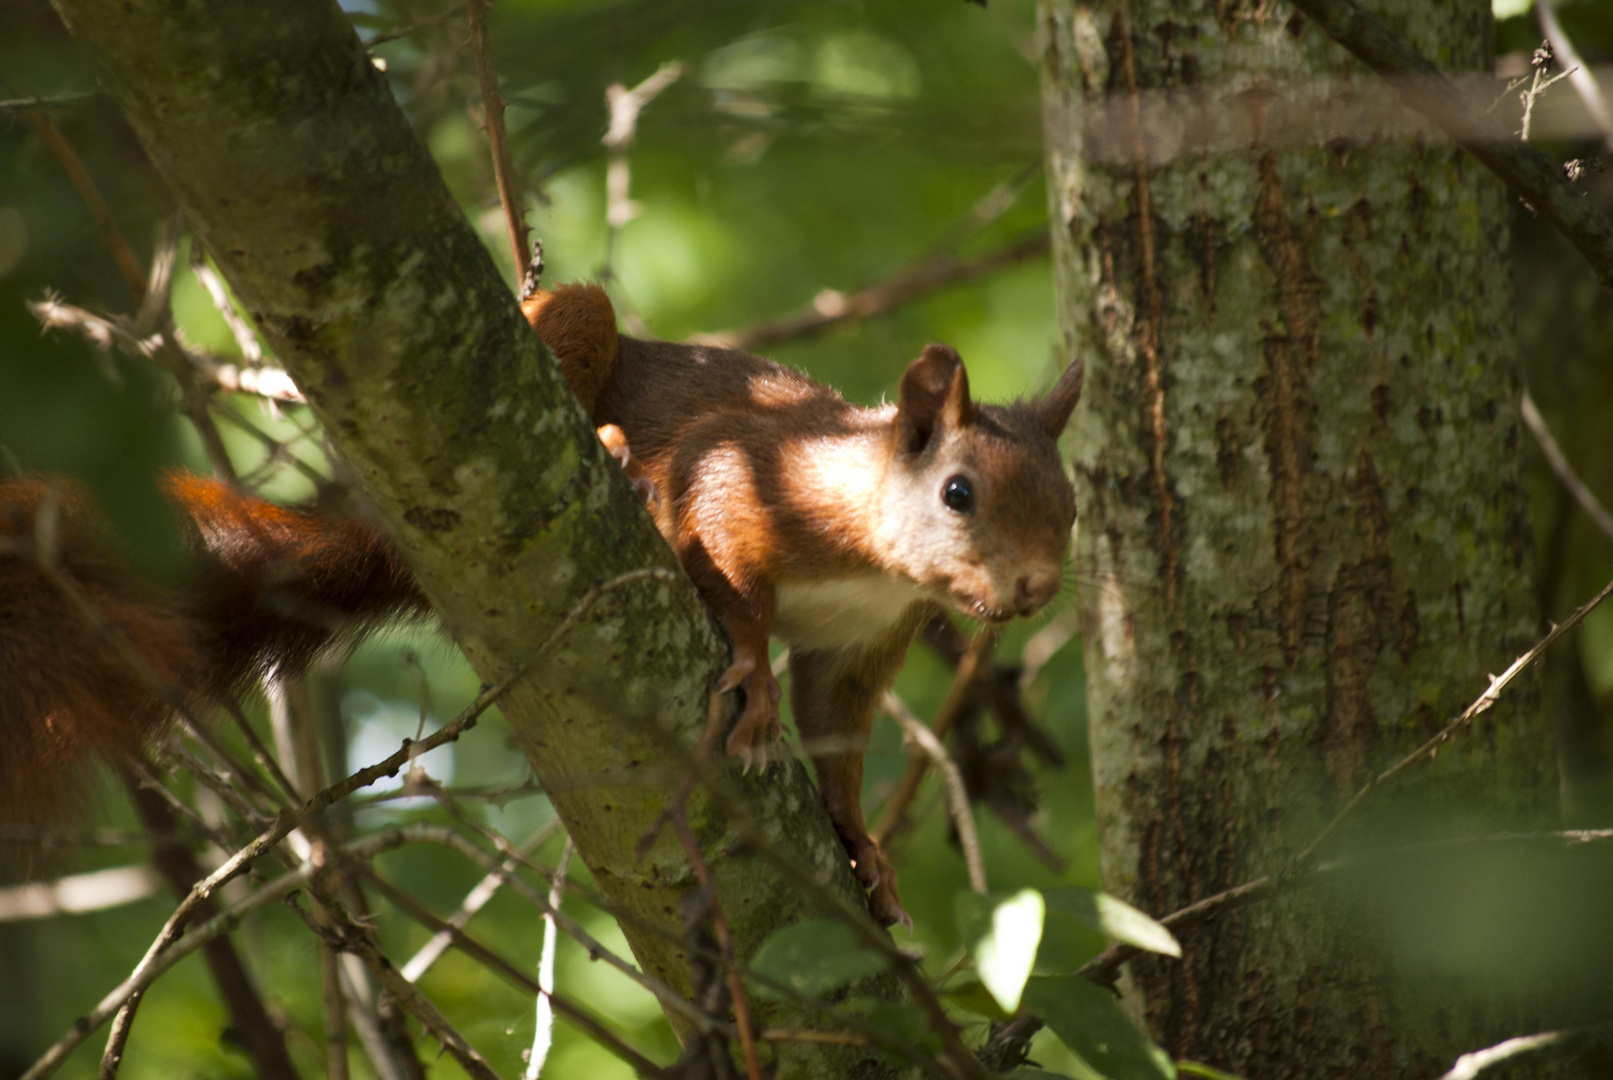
(1054,410)
(935,394)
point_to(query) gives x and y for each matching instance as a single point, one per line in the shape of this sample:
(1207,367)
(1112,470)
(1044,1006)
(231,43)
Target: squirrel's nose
(1035,589)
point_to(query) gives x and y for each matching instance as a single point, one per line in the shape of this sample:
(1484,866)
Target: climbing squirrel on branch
(836,528)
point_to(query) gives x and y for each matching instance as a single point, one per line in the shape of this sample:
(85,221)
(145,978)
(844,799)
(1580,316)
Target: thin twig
(1582,78)
(483,955)
(145,973)
(1538,85)
(975,662)
(957,795)
(95,890)
(334,1013)
(288,820)
(47,101)
(832,308)
(958,1058)
(474,901)
(543,1031)
(1460,721)
(246,339)
(122,254)
(360,940)
(255,1031)
(567,925)
(625,106)
(413,28)
(725,942)
(504,174)
(1565,472)
(1549,1044)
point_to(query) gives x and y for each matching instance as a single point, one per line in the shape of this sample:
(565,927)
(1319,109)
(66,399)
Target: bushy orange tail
(91,660)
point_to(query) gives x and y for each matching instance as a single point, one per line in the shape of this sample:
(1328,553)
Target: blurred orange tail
(93,661)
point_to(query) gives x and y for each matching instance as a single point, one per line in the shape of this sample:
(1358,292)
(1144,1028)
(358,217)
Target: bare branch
(916,731)
(974,664)
(504,174)
(146,973)
(246,339)
(334,1014)
(1459,722)
(96,890)
(1581,77)
(1549,1044)
(543,1030)
(832,308)
(122,254)
(47,101)
(625,106)
(474,901)
(1565,472)
(413,28)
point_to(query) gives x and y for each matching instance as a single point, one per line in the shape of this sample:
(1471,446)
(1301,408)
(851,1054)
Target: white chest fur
(841,612)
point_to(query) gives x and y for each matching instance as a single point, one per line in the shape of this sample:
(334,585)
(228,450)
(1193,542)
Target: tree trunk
(1303,542)
(285,149)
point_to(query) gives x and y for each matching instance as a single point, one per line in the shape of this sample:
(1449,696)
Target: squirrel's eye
(958,494)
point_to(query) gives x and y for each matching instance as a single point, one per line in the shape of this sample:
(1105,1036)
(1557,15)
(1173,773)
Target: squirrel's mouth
(981,610)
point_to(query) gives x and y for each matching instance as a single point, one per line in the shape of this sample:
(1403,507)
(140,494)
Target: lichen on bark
(1302,519)
(284,147)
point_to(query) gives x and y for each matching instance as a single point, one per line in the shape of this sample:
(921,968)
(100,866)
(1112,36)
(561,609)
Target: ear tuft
(934,395)
(1054,410)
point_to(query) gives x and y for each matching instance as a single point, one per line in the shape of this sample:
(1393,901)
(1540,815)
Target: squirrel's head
(975,505)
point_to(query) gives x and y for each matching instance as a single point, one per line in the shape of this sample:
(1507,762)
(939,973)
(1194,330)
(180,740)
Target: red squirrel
(836,528)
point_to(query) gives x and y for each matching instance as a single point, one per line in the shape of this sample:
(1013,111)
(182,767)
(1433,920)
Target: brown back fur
(578,324)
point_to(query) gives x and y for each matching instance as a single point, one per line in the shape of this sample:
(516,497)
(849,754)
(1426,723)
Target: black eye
(958,494)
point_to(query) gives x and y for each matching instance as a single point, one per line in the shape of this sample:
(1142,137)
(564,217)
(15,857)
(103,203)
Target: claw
(647,492)
(759,722)
(615,441)
(735,674)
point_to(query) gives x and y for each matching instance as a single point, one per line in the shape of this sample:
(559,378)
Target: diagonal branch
(1565,472)
(831,309)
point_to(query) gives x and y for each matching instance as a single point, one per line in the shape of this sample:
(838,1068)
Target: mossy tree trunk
(1303,542)
(284,147)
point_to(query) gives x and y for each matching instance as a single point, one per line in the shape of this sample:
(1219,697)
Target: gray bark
(1303,542)
(298,171)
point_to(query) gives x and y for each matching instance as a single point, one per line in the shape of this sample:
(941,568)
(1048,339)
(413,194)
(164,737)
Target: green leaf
(1112,916)
(814,956)
(974,996)
(1198,1068)
(1002,936)
(1091,1023)
(901,1019)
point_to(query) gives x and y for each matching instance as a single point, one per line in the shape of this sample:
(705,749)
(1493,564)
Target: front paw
(615,440)
(758,724)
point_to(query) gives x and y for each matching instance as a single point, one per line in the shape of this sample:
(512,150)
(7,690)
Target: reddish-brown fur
(578,324)
(793,511)
(269,586)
